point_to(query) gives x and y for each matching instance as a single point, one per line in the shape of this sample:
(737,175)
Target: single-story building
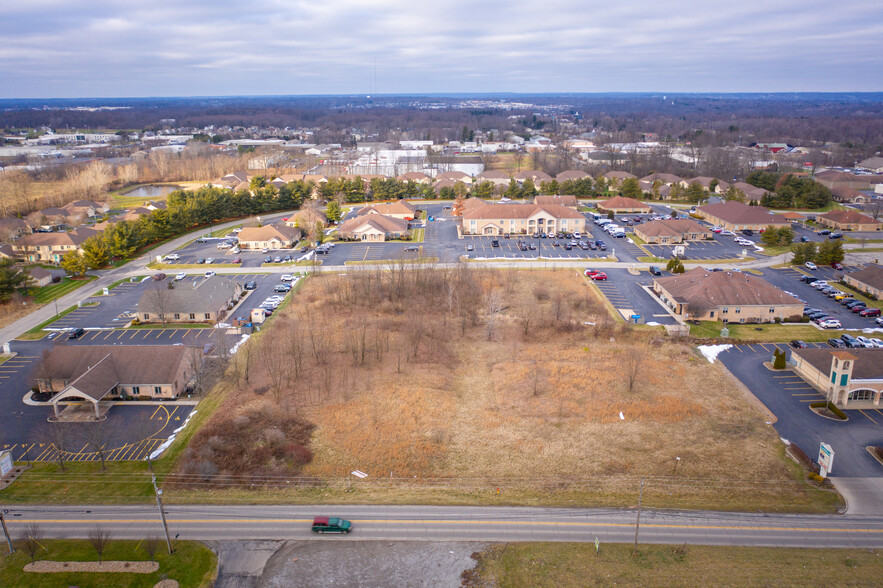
(872,164)
(571,175)
(706,182)
(306,217)
(373,227)
(794,217)
(672,231)
(277,236)
(729,297)
(496,177)
(521,219)
(200,300)
(850,378)
(12,226)
(534,175)
(667,179)
(40,276)
(418,177)
(616,178)
(845,194)
(868,280)
(401,209)
(752,193)
(96,372)
(848,220)
(832,178)
(736,216)
(564,200)
(455,176)
(623,205)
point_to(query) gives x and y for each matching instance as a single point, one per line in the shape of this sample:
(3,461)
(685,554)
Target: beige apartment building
(521,219)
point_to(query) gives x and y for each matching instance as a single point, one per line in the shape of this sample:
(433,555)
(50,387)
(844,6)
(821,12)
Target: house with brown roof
(456,176)
(276,236)
(706,182)
(752,193)
(851,195)
(373,228)
(197,300)
(667,231)
(85,209)
(729,297)
(667,179)
(838,179)
(794,217)
(850,378)
(873,164)
(51,247)
(848,220)
(402,209)
(93,373)
(571,175)
(462,204)
(616,178)
(306,217)
(656,190)
(868,280)
(6,251)
(623,205)
(40,276)
(563,200)
(534,175)
(520,219)
(495,177)
(441,184)
(735,216)
(418,177)
(12,227)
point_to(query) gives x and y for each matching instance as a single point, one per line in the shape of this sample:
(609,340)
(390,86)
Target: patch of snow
(653,324)
(307,256)
(236,346)
(785,441)
(711,351)
(628,239)
(588,323)
(165,444)
(223,326)
(873,330)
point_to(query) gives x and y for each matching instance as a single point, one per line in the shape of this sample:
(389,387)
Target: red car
(837,266)
(591,272)
(869,312)
(237,260)
(599,276)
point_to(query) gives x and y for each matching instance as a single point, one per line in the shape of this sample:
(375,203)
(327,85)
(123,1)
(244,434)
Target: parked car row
(596,275)
(823,318)
(851,342)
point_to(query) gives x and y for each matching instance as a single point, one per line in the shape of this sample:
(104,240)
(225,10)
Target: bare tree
(537,378)
(59,435)
(95,434)
(151,546)
(493,305)
(275,362)
(633,362)
(99,537)
(157,300)
(30,538)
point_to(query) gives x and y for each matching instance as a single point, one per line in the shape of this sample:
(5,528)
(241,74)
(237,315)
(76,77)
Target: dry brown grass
(425,374)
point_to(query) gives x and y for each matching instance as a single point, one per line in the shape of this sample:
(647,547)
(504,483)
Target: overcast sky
(101,48)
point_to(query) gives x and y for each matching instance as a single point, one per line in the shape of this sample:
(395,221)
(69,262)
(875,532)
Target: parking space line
(866,414)
(109,333)
(154,412)
(44,452)
(135,332)
(750,347)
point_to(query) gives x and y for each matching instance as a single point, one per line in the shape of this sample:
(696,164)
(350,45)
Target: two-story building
(850,378)
(520,219)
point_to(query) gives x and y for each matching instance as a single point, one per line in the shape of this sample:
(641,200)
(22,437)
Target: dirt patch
(128,567)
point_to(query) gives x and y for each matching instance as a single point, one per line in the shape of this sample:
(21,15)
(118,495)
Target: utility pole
(162,514)
(6,532)
(638,521)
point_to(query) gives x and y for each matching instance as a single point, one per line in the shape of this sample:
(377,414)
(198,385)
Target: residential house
(234,179)
(794,217)
(706,182)
(306,217)
(564,200)
(40,276)
(12,227)
(401,209)
(571,175)
(669,231)
(667,179)
(496,177)
(616,178)
(418,177)
(736,216)
(462,204)
(534,175)
(373,227)
(752,193)
(441,184)
(868,280)
(849,378)
(655,190)
(850,195)
(96,372)
(733,297)
(199,300)
(85,209)
(838,179)
(623,205)
(873,164)
(848,220)
(276,236)
(51,247)
(520,219)
(6,251)
(456,176)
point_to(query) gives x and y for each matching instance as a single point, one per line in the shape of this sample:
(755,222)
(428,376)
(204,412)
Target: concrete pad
(864,496)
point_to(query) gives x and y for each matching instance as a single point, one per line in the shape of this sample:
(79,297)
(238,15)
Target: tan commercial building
(373,227)
(730,297)
(868,280)
(96,372)
(848,220)
(736,216)
(279,236)
(200,300)
(849,378)
(623,205)
(521,219)
(401,209)
(672,231)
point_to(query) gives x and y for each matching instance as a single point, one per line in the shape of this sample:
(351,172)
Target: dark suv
(76,333)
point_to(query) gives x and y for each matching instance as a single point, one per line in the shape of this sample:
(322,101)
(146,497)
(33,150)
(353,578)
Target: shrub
(779,360)
(56,279)
(831,407)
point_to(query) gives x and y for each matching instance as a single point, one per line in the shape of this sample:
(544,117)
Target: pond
(150,192)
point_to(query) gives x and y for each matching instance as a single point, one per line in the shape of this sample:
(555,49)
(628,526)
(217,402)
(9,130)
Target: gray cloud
(57,48)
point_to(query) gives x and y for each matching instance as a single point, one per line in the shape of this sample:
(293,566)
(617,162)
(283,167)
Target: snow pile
(653,324)
(165,444)
(629,240)
(307,256)
(711,351)
(239,343)
(223,326)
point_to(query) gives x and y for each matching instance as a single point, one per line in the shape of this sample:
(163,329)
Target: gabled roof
(536,176)
(456,176)
(518,211)
(702,289)
(704,181)
(132,364)
(379,222)
(563,200)
(848,217)
(200,295)
(871,274)
(98,380)
(399,207)
(868,362)
(278,232)
(492,175)
(735,212)
(671,227)
(618,202)
(664,178)
(413,176)
(619,175)
(75,237)
(571,174)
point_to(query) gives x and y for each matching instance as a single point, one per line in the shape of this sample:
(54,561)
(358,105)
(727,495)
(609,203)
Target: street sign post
(826,459)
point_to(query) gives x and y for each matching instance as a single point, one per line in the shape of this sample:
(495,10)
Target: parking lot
(788,398)
(789,280)
(719,248)
(629,295)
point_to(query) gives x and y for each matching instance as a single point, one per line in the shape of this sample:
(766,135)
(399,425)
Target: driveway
(629,294)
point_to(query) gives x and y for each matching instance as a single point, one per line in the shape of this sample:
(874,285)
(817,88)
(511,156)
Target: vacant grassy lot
(577,564)
(763,332)
(51,292)
(465,381)
(191,565)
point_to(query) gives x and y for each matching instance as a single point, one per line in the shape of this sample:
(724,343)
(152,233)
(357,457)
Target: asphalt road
(439,523)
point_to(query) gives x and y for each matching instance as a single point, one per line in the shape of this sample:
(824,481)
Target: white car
(236,250)
(728,233)
(867,342)
(810,265)
(210,273)
(830,324)
(877,342)
(224,246)
(180,276)
(287,278)
(237,230)
(265,250)
(172,257)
